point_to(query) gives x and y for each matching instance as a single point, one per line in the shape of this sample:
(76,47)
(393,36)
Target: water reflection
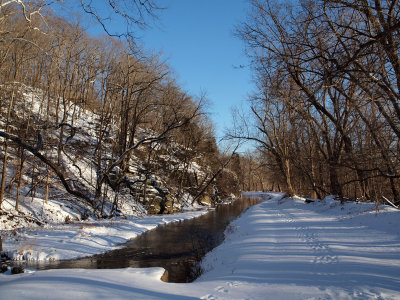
(177,247)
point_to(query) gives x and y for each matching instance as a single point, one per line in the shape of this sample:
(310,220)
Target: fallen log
(390,202)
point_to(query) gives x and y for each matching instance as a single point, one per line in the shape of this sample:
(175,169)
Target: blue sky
(196,37)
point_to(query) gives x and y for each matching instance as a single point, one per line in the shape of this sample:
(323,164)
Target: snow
(79,239)
(282,248)
(81,171)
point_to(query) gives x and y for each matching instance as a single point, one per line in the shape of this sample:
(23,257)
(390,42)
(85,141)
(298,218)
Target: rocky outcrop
(205,200)
(3,268)
(151,193)
(17,270)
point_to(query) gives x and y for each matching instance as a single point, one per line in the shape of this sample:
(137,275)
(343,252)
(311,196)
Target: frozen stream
(177,247)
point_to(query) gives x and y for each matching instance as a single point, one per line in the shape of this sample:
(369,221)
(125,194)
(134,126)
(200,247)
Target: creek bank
(279,249)
(55,242)
(178,247)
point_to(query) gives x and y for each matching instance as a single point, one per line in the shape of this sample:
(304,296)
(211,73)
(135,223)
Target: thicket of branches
(139,108)
(327,112)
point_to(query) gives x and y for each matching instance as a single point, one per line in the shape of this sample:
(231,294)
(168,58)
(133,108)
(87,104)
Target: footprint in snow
(221,289)
(233,284)
(322,252)
(209,297)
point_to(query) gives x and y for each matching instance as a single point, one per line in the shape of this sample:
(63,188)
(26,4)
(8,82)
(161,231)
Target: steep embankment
(158,177)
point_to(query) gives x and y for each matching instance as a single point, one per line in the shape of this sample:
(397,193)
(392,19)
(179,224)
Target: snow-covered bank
(279,249)
(79,239)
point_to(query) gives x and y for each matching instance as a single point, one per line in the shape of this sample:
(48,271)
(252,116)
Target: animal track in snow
(221,289)
(322,253)
(233,284)
(208,297)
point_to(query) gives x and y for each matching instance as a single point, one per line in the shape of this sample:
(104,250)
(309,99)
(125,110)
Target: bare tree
(134,13)
(339,59)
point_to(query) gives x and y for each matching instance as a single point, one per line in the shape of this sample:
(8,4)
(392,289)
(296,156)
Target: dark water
(178,247)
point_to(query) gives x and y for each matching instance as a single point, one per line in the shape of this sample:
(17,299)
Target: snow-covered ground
(78,239)
(279,249)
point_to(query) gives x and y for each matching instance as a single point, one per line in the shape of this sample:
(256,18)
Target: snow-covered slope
(148,185)
(282,248)
(80,239)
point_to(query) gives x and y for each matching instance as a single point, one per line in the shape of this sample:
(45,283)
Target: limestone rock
(3,268)
(168,207)
(205,200)
(17,270)
(154,205)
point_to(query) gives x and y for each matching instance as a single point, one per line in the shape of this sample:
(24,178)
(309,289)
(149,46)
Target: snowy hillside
(158,177)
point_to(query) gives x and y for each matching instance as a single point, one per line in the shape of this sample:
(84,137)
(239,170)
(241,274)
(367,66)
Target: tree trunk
(4,171)
(335,187)
(288,178)
(47,185)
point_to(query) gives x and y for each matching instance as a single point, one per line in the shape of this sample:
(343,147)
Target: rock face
(156,191)
(205,200)
(151,193)
(161,205)
(158,199)
(3,268)
(17,270)
(154,206)
(165,276)
(168,207)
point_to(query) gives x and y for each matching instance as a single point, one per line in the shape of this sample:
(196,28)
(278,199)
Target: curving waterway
(177,247)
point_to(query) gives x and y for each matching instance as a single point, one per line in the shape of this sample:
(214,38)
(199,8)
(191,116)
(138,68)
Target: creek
(177,247)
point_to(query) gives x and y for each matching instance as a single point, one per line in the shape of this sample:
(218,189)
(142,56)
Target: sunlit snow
(275,250)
